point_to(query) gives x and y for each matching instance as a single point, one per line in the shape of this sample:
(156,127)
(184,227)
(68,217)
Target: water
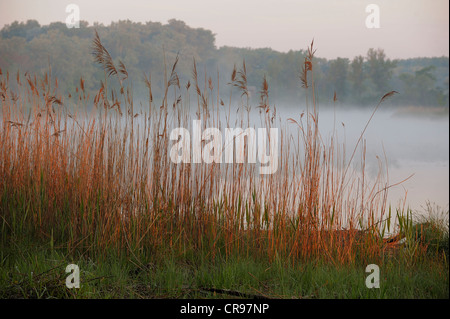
(416,145)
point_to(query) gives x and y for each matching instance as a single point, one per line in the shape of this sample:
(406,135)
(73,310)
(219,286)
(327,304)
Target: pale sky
(408,28)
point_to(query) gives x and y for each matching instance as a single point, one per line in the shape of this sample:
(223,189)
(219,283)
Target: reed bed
(94,175)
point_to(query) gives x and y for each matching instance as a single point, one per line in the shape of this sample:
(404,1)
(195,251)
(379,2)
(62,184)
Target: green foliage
(40,273)
(429,229)
(31,48)
(379,70)
(421,87)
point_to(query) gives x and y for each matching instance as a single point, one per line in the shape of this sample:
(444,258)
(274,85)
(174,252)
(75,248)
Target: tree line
(148,48)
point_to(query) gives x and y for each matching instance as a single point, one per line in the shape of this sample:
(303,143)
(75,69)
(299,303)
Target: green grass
(39,272)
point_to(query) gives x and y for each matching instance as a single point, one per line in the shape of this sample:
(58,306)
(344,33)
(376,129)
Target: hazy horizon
(408,29)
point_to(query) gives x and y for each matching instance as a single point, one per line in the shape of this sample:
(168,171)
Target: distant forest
(143,48)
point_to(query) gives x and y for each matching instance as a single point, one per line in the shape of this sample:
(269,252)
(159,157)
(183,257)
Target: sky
(407,28)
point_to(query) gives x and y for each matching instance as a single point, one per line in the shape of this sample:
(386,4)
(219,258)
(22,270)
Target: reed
(93,175)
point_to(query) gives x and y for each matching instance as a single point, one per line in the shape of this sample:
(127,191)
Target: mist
(414,144)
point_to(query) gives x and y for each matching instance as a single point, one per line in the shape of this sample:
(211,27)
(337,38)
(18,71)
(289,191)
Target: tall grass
(93,174)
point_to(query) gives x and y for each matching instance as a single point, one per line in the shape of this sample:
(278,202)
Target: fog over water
(414,144)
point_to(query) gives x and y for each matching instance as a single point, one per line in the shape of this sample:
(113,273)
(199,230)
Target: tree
(337,76)
(357,77)
(144,47)
(21,29)
(420,88)
(379,70)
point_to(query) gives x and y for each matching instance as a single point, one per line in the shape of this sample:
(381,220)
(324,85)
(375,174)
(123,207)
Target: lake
(413,144)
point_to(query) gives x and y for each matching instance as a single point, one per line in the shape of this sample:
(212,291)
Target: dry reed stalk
(105,181)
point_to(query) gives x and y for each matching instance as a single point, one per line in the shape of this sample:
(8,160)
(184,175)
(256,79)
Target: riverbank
(37,272)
